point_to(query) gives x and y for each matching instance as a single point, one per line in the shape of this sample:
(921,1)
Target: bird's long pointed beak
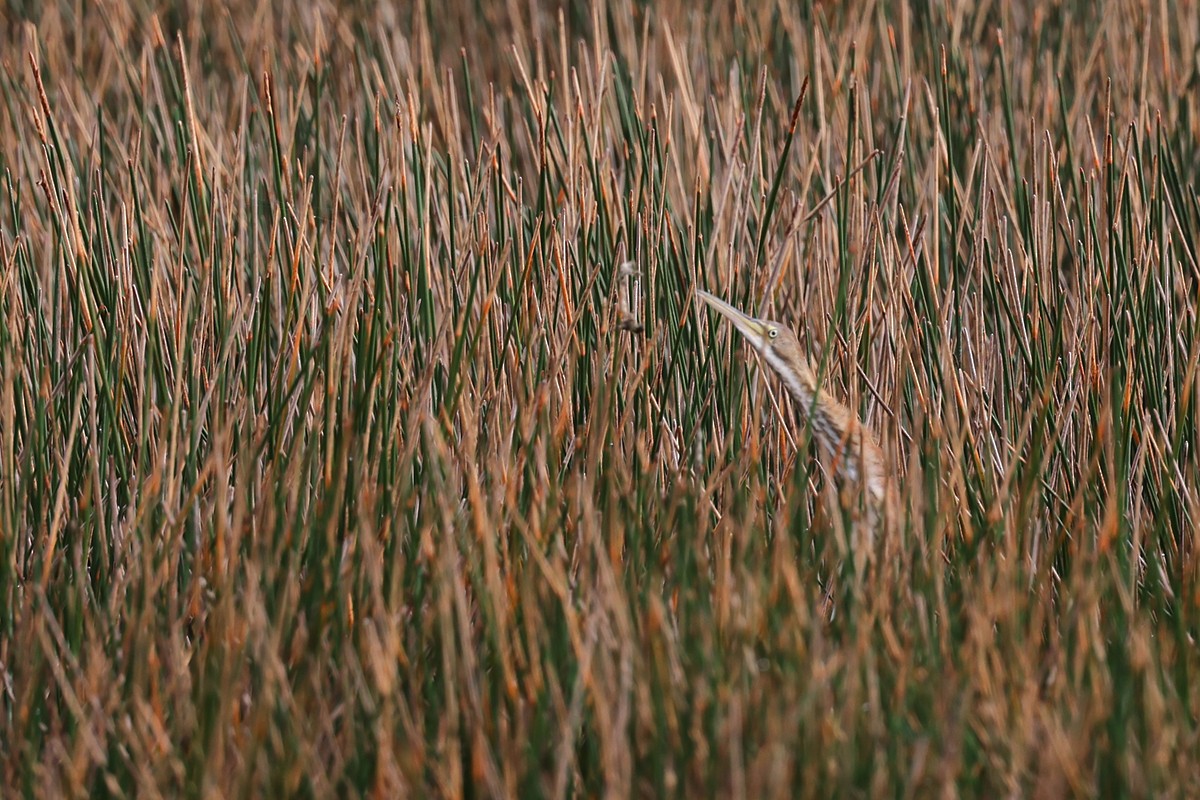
(753,329)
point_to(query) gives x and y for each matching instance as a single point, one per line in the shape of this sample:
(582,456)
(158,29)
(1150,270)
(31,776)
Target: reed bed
(360,433)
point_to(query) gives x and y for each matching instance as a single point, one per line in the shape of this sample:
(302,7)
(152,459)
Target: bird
(850,449)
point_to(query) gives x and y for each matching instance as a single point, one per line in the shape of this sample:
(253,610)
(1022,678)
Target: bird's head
(774,341)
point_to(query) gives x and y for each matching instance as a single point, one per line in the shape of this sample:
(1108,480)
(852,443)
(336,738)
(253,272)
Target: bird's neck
(835,427)
(800,380)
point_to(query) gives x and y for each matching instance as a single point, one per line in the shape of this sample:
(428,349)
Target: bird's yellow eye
(773,333)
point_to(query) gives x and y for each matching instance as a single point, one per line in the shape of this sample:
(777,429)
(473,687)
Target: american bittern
(851,451)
